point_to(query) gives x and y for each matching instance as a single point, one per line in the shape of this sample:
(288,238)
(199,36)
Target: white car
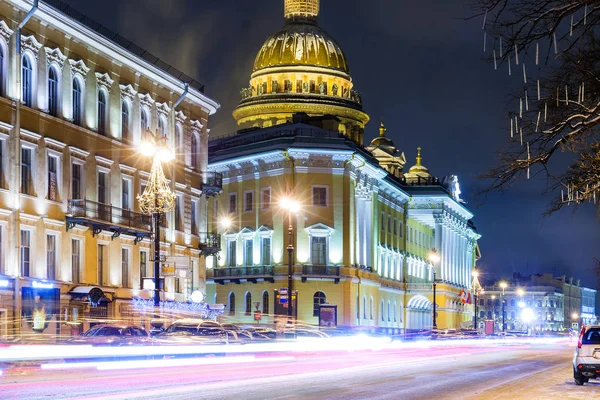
(586,360)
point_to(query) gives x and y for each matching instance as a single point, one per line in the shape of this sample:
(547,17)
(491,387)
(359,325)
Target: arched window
(194,150)
(489,302)
(371,307)
(512,315)
(265,299)
(231,303)
(248,304)
(178,142)
(481,314)
(389,311)
(2,70)
(364,307)
(382,311)
(318,299)
(101,112)
(144,121)
(77,101)
(162,123)
(27,81)
(489,315)
(395,312)
(125,121)
(53,91)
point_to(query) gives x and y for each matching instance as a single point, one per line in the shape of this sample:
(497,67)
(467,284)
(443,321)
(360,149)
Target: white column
(358,225)
(445,254)
(368,231)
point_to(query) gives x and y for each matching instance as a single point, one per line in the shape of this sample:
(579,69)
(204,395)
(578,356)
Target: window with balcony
(318,250)
(53,91)
(265,250)
(231,252)
(76,181)
(248,252)
(126,203)
(27,81)
(51,257)
(318,299)
(25,253)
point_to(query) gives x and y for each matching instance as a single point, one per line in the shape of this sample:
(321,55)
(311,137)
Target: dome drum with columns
(301,69)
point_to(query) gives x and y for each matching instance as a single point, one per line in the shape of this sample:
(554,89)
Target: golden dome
(301,42)
(418,170)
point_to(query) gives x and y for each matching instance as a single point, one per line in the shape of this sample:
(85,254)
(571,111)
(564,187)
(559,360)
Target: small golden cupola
(418,172)
(301,69)
(386,153)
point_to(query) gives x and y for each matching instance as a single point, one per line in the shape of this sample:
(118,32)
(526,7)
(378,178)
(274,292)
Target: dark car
(193,331)
(113,335)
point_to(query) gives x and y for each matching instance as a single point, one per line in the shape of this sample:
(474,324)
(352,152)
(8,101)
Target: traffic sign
(283,290)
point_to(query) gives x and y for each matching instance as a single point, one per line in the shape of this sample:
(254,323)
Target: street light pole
(503,285)
(290,250)
(475,316)
(434,305)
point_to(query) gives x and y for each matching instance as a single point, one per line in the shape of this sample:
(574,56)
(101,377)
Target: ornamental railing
(92,210)
(241,272)
(320,270)
(212,183)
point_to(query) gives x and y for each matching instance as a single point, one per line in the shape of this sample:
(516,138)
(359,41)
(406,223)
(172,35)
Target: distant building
(588,306)
(570,289)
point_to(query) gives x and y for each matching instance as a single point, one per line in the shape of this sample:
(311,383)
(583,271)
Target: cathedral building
(365,227)
(75,103)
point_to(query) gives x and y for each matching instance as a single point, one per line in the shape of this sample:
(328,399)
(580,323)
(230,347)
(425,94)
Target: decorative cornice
(54,144)
(78,153)
(196,125)
(79,67)
(146,100)
(104,80)
(55,56)
(180,117)
(163,109)
(5,31)
(30,43)
(127,92)
(104,162)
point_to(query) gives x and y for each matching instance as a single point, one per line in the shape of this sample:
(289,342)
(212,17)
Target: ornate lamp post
(292,206)
(157,198)
(503,286)
(477,290)
(434,258)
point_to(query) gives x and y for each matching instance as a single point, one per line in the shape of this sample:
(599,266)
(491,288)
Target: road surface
(445,370)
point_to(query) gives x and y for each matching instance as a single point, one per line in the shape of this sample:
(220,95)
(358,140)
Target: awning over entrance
(92,293)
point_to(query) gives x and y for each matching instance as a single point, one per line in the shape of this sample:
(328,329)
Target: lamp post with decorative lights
(157,197)
(292,206)
(477,290)
(434,258)
(503,286)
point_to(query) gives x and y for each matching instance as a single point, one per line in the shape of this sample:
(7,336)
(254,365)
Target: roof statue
(301,8)
(450,182)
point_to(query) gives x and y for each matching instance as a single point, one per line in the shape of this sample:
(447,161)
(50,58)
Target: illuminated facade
(366,227)
(73,245)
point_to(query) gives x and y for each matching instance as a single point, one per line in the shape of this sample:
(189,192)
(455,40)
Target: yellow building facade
(74,107)
(365,228)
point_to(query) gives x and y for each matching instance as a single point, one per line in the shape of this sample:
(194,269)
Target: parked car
(113,335)
(586,360)
(193,331)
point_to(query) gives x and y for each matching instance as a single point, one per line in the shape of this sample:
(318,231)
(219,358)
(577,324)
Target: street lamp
(434,258)
(503,286)
(157,198)
(494,310)
(292,206)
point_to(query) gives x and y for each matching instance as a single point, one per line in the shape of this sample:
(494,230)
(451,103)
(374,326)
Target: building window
(401,228)
(193,217)
(76,171)
(125,268)
(52,178)
(25,252)
(389,227)
(102,187)
(27,81)
(319,196)
(126,194)
(125,122)
(383,222)
(248,201)
(53,91)
(144,121)
(482,314)
(2,71)
(395,227)
(512,302)
(248,252)
(318,299)
(395,312)
(51,257)
(265,198)
(2,152)
(232,203)
(178,142)
(161,127)
(481,302)
(318,250)
(265,250)
(143,267)
(389,311)
(248,304)
(26,171)
(101,112)
(231,303)
(371,307)
(102,263)
(364,307)
(194,150)
(512,315)
(231,252)
(77,102)
(382,310)
(75,260)
(265,302)
(178,207)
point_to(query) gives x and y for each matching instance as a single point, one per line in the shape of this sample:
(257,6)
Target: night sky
(418,65)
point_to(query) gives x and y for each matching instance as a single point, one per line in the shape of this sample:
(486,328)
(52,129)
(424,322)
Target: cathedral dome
(301,42)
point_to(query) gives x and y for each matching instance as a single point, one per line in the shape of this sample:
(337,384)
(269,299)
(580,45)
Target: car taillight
(580,341)
(580,366)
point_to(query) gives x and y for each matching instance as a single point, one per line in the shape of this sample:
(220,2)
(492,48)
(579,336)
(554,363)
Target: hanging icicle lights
(554,37)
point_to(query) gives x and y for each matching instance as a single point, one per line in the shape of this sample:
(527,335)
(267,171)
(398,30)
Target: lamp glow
(197,296)
(520,292)
(527,315)
(503,285)
(433,256)
(575,316)
(475,274)
(147,149)
(289,204)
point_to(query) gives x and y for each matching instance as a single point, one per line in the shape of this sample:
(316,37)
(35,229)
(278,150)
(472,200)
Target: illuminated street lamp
(293,207)
(433,259)
(158,198)
(503,286)
(477,290)
(520,292)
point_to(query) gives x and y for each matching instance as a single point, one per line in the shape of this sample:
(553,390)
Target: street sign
(283,291)
(283,296)
(257,316)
